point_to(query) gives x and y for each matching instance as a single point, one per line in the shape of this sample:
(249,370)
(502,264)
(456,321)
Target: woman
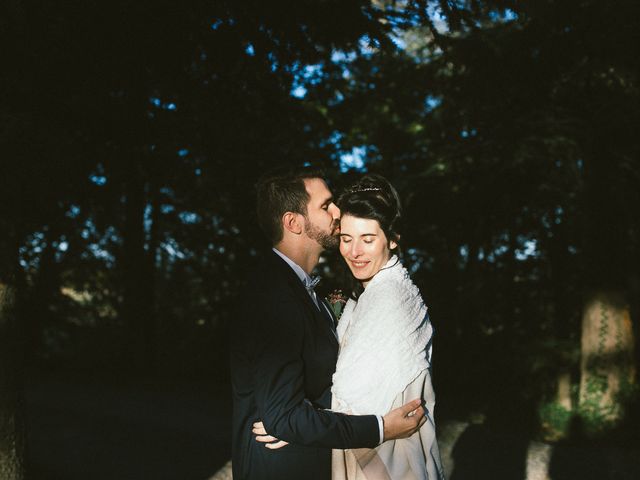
(385,339)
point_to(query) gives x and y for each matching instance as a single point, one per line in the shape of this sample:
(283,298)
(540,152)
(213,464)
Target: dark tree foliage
(509,127)
(133,132)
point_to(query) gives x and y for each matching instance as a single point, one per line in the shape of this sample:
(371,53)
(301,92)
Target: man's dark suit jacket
(283,355)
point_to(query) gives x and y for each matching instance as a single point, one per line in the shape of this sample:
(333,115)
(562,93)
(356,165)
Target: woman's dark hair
(374,198)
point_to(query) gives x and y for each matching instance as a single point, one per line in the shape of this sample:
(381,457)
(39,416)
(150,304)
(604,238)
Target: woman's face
(364,246)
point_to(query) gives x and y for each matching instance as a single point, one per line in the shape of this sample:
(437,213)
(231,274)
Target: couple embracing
(301,386)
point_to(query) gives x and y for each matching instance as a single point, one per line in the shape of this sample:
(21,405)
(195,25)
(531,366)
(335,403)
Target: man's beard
(328,241)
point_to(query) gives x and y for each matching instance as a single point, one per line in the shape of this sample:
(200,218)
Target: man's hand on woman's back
(404,421)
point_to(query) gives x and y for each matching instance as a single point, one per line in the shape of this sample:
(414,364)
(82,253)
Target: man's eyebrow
(328,200)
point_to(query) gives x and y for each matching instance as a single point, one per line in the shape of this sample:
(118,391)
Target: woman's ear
(291,222)
(393,244)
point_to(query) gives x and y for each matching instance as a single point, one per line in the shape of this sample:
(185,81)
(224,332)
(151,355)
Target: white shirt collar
(302,275)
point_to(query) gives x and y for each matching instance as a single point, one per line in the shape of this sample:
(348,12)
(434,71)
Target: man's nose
(334,210)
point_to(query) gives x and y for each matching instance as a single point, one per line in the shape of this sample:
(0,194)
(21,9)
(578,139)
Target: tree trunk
(138,300)
(564,390)
(11,424)
(607,361)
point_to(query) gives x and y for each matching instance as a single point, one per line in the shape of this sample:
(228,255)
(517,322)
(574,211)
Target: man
(284,346)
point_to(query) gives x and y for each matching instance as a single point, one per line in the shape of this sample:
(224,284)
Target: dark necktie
(322,306)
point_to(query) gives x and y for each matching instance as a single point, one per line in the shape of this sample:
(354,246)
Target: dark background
(132,134)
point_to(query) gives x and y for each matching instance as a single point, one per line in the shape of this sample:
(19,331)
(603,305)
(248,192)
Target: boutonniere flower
(337,300)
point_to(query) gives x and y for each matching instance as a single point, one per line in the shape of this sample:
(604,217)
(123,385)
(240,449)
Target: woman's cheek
(344,248)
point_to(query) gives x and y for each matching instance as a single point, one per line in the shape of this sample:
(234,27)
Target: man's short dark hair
(279,191)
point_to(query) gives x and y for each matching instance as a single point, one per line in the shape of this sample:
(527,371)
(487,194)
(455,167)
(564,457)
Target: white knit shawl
(385,343)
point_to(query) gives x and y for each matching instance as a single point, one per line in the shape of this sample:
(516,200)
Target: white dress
(385,362)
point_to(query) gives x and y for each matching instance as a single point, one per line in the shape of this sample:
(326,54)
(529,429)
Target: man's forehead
(317,188)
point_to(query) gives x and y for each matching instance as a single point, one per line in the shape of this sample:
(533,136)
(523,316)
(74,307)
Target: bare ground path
(81,428)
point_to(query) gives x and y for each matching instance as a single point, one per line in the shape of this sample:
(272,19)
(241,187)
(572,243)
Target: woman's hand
(262,436)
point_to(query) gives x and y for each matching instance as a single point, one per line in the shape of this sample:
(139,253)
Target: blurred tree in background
(133,134)
(12,444)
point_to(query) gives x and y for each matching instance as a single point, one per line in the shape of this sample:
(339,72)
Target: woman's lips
(359,263)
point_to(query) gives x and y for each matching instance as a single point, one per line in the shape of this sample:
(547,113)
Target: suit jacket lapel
(331,315)
(299,288)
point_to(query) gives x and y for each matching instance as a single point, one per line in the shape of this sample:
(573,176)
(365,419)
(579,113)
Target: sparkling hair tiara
(364,189)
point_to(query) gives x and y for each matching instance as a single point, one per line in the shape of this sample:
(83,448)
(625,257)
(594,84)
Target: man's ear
(291,222)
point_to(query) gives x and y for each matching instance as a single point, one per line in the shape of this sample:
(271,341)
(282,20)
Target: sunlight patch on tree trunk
(607,366)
